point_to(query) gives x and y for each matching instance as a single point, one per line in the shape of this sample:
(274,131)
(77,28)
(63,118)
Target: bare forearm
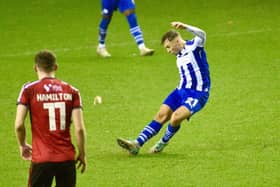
(81,140)
(80,131)
(19,124)
(21,135)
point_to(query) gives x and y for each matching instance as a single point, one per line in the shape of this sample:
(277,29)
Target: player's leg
(155,125)
(108,7)
(173,127)
(150,130)
(65,174)
(177,117)
(40,175)
(192,102)
(127,7)
(101,48)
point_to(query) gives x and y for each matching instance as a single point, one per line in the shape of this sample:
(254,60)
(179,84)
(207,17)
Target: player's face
(173,46)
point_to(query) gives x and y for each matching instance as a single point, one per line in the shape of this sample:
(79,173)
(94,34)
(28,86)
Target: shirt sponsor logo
(54,87)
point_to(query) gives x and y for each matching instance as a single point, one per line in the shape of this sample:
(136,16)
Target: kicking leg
(148,132)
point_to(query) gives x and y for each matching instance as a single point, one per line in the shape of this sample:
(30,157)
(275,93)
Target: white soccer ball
(97,100)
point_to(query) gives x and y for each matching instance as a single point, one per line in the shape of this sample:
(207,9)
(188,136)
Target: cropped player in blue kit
(188,98)
(127,8)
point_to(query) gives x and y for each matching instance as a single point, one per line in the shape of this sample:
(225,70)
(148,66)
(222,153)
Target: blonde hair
(170,35)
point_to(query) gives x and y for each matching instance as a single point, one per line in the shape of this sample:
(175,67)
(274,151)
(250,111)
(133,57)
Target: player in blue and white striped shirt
(188,98)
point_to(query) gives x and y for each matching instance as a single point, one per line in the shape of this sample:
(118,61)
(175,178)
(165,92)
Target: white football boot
(130,145)
(158,147)
(102,51)
(144,51)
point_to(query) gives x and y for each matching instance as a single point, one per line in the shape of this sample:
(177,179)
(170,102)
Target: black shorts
(42,174)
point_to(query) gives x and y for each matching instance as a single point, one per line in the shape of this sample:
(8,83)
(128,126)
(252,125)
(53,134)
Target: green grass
(233,141)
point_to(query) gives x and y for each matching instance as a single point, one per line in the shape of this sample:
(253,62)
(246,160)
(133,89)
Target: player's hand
(26,152)
(178,25)
(81,162)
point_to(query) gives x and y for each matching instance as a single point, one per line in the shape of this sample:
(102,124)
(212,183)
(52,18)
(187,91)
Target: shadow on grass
(123,155)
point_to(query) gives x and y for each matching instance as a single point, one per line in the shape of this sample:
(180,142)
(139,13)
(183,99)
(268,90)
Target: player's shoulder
(69,86)
(194,43)
(189,46)
(190,42)
(30,84)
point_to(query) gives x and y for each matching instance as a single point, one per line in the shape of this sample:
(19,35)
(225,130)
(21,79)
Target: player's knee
(128,12)
(162,117)
(106,16)
(176,118)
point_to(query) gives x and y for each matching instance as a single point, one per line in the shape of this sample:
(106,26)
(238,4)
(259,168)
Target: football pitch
(233,141)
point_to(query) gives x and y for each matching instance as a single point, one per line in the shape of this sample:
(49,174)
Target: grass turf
(233,141)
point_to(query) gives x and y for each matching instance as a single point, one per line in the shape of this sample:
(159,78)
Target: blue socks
(148,132)
(135,29)
(169,133)
(103,29)
(133,25)
(152,129)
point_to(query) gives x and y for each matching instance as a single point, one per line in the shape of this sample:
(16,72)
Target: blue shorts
(191,99)
(109,6)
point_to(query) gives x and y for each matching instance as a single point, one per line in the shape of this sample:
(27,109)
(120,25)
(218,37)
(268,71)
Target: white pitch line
(223,34)
(241,33)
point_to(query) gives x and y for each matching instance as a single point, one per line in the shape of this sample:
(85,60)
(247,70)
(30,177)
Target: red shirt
(50,102)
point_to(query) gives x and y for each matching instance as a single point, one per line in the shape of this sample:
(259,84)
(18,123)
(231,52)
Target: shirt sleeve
(199,41)
(77,100)
(200,35)
(23,96)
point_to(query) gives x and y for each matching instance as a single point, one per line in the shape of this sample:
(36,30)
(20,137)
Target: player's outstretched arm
(195,30)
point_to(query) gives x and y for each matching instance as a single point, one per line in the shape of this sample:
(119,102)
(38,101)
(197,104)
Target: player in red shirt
(52,104)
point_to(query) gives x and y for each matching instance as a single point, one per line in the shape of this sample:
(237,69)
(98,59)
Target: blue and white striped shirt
(193,66)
